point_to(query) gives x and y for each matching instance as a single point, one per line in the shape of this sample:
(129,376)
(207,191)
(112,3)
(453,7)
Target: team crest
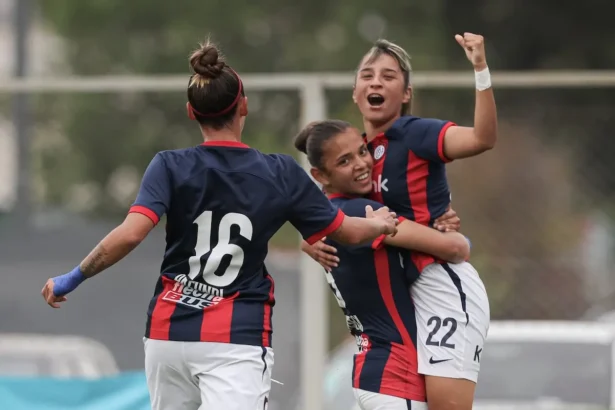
(378,152)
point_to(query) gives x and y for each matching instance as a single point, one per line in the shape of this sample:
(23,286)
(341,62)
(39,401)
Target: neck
(330,191)
(372,128)
(225,134)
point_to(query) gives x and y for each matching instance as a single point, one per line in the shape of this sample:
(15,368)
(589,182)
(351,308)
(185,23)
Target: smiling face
(346,164)
(382,87)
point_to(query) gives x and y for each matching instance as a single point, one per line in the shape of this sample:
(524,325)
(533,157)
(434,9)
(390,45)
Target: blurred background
(91,90)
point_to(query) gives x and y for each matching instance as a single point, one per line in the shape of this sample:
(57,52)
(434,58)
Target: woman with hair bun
(208,332)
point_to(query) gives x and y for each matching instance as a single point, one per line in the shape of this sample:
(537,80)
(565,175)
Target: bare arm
(354,231)
(117,244)
(452,247)
(463,142)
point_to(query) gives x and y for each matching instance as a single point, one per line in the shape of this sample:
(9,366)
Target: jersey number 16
(222,248)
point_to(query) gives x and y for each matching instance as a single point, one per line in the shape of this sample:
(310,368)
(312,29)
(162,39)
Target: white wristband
(482,79)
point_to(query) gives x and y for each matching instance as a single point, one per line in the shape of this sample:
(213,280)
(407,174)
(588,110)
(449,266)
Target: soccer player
(370,284)
(409,176)
(208,332)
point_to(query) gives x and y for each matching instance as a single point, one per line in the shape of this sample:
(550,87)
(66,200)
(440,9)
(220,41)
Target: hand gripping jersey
(371,288)
(223,202)
(409,174)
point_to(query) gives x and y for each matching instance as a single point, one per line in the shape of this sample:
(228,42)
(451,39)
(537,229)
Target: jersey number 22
(222,248)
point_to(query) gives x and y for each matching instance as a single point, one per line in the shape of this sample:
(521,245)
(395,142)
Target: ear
(190,112)
(243,106)
(407,95)
(354,94)
(319,176)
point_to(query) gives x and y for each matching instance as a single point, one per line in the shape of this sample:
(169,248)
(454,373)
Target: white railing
(311,86)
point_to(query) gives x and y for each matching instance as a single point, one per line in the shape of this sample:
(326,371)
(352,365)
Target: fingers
(326,248)
(51,299)
(55,302)
(369,211)
(460,40)
(325,255)
(396,222)
(470,41)
(449,215)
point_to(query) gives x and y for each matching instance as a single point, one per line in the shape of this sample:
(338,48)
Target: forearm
(113,248)
(485,112)
(452,247)
(354,231)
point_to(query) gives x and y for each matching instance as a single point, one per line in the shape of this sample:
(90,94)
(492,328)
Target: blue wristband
(469,242)
(68,282)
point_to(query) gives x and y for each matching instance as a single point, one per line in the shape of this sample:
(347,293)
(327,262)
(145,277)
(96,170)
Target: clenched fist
(474,46)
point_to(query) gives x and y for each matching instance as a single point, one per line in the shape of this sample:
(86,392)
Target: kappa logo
(380,185)
(379,152)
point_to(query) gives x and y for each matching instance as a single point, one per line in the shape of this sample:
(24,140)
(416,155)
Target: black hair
(214,88)
(311,139)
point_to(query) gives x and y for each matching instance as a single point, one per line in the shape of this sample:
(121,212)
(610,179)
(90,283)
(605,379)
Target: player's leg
(234,377)
(376,401)
(452,311)
(448,393)
(170,383)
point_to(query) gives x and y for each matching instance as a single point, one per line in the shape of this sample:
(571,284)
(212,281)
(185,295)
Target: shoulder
(416,129)
(281,160)
(411,123)
(174,155)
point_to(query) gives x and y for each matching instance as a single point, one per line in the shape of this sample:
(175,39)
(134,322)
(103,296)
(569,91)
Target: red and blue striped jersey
(409,175)
(223,202)
(371,288)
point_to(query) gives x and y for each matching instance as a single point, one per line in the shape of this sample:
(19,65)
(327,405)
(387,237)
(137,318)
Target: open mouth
(375,100)
(362,177)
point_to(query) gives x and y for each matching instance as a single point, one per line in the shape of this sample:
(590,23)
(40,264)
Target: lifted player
(409,176)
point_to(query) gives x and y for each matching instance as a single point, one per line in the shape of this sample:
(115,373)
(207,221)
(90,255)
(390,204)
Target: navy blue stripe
(247,322)
(186,322)
(400,286)
(373,369)
(409,404)
(457,281)
(394,172)
(438,194)
(264,362)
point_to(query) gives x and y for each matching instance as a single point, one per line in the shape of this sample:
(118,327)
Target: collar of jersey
(233,144)
(382,135)
(334,196)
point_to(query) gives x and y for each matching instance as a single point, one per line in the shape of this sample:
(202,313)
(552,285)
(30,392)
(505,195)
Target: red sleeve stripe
(145,211)
(379,241)
(441,141)
(337,222)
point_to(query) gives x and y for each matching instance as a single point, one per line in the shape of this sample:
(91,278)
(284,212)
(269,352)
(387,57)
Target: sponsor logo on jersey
(380,184)
(193,294)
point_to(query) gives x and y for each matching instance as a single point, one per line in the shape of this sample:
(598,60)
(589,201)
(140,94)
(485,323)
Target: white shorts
(205,376)
(377,401)
(452,318)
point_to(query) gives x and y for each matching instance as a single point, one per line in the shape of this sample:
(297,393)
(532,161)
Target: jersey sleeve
(154,197)
(310,212)
(356,207)
(425,137)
